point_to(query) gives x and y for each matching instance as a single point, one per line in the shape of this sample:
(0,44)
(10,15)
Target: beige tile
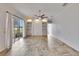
(37,46)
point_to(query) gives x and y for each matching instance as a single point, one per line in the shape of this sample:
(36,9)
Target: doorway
(18,29)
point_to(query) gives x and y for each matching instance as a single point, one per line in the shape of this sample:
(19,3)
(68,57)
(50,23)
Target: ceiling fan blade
(43,15)
(36,15)
(64,4)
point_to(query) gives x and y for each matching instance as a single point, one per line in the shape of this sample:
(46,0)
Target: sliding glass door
(14,29)
(18,29)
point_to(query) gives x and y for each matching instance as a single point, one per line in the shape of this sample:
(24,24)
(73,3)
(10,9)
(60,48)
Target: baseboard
(3,52)
(65,42)
(69,46)
(39,35)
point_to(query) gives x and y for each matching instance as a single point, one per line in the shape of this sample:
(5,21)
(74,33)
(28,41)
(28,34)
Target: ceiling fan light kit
(29,20)
(39,18)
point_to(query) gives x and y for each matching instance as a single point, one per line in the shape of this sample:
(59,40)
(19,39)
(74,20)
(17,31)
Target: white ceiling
(31,9)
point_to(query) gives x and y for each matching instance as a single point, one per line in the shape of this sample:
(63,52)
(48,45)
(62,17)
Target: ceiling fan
(41,16)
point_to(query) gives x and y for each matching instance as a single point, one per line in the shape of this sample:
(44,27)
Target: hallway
(37,46)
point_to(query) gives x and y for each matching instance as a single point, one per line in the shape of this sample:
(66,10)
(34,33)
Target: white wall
(68,19)
(3,8)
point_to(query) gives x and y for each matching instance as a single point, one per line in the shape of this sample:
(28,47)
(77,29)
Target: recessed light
(37,20)
(29,20)
(44,20)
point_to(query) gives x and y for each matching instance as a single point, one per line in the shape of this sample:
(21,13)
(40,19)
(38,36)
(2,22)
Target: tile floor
(38,46)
